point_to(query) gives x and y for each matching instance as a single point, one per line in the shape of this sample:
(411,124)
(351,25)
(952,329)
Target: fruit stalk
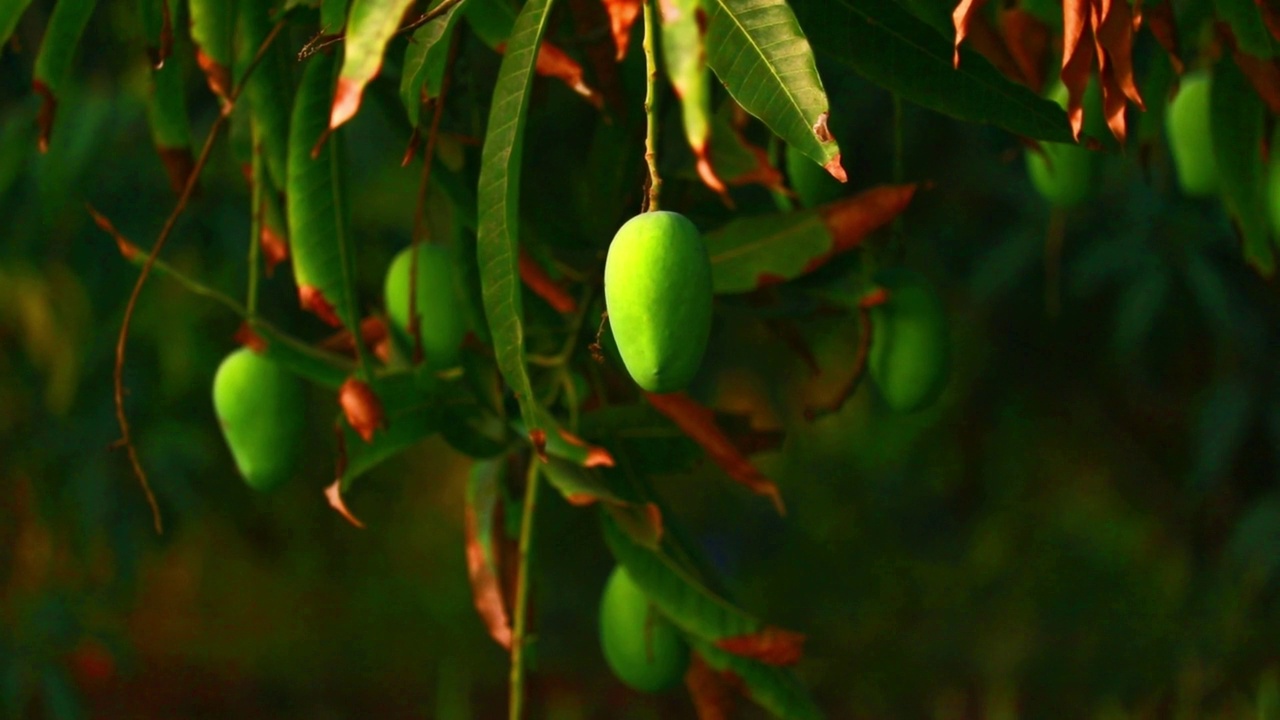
(520,611)
(651,109)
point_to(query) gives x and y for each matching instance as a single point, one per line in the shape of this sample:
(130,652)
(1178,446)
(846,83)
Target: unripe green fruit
(641,645)
(657,290)
(910,343)
(1190,136)
(261,408)
(811,182)
(1273,189)
(1066,174)
(440,320)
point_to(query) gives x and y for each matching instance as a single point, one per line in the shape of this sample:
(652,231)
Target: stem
(651,108)
(522,592)
(126,437)
(258,198)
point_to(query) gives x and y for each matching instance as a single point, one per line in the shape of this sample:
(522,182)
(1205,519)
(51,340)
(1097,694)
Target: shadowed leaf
(425,60)
(269,90)
(167,115)
(699,423)
(755,252)
(10,13)
(53,63)
(886,44)
(1247,21)
(736,159)
(333,15)
(481,515)
(409,413)
(713,694)
(535,277)
(322,257)
(759,52)
(773,688)
(494,22)
(370,25)
(498,205)
(1238,123)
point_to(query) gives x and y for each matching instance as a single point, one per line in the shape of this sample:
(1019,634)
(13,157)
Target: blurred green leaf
(425,60)
(370,25)
(684,55)
(411,413)
(269,90)
(10,13)
(1238,121)
(772,688)
(213,30)
(1221,427)
(1245,19)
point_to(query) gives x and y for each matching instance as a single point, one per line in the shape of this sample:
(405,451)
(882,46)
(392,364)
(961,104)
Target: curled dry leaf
(974,26)
(334,494)
(1159,19)
(771,646)
(535,277)
(314,302)
(1028,39)
(584,453)
(361,407)
(556,63)
(622,15)
(713,693)
(851,221)
(699,423)
(1103,28)
(275,248)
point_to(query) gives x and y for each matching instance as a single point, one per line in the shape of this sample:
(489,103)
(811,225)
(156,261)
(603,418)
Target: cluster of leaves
(529,392)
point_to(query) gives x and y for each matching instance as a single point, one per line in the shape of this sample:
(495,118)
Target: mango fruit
(910,354)
(440,319)
(261,408)
(1187,123)
(657,290)
(1066,174)
(811,182)
(643,649)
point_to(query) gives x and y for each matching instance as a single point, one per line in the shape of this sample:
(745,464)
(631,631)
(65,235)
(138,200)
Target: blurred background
(1086,525)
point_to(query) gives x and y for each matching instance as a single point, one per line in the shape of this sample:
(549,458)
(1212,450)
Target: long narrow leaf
(772,688)
(1237,122)
(762,56)
(370,25)
(269,89)
(10,13)
(499,201)
(886,44)
(684,55)
(322,258)
(425,60)
(167,115)
(61,36)
(212,30)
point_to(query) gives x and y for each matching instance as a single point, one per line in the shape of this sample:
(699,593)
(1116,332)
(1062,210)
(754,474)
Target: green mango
(1187,122)
(910,353)
(440,317)
(261,408)
(1066,174)
(657,290)
(643,648)
(1273,188)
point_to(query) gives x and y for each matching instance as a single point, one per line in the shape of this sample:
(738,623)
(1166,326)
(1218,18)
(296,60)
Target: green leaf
(10,13)
(1221,428)
(499,201)
(1237,122)
(212,30)
(370,26)
(318,366)
(58,48)
(1245,19)
(491,20)
(676,592)
(167,107)
(886,44)
(323,262)
(411,413)
(333,15)
(762,56)
(773,688)
(269,89)
(425,60)
(684,55)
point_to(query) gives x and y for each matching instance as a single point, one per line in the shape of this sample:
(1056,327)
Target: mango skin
(910,354)
(1187,123)
(1066,174)
(261,408)
(643,649)
(657,290)
(442,323)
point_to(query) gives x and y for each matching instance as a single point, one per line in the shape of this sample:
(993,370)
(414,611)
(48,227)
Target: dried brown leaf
(361,407)
(772,646)
(486,591)
(622,15)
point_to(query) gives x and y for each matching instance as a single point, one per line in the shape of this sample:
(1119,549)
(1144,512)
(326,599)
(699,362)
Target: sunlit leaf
(699,423)
(753,252)
(481,521)
(53,63)
(370,25)
(425,60)
(772,688)
(499,201)
(1238,120)
(212,30)
(684,54)
(887,45)
(318,234)
(759,52)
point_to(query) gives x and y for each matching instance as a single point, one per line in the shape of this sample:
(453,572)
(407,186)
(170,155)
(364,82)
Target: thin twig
(322,41)
(651,108)
(126,438)
(520,620)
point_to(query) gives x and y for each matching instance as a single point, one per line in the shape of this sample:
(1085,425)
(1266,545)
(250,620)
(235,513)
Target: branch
(651,108)
(522,592)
